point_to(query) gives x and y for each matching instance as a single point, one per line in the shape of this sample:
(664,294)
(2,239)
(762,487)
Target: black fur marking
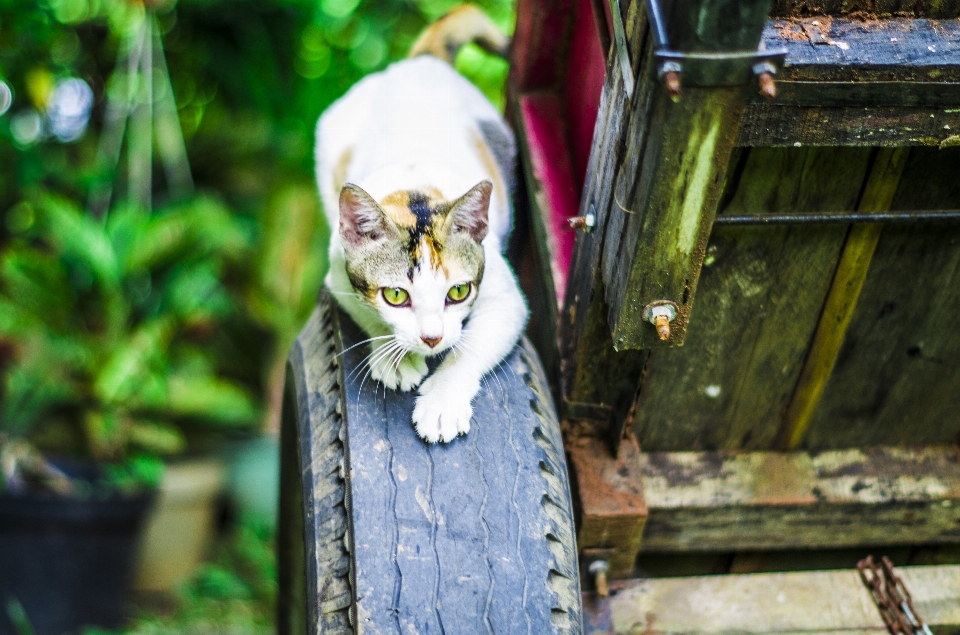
(420,206)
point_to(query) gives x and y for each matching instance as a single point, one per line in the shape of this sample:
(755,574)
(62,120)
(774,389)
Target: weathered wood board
(667,184)
(705,501)
(584,335)
(841,301)
(883,8)
(821,602)
(760,296)
(895,380)
(860,82)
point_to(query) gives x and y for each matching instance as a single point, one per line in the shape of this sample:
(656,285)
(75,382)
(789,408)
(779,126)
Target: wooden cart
(747,331)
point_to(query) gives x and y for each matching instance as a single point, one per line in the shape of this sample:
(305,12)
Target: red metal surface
(557,71)
(550,158)
(582,87)
(540,43)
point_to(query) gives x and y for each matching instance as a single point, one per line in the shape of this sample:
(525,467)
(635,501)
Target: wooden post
(612,507)
(666,190)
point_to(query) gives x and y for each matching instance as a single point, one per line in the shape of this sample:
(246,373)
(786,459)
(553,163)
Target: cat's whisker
(377,356)
(362,342)
(372,358)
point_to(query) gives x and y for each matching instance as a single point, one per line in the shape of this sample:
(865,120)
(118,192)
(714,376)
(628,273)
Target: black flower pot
(68,562)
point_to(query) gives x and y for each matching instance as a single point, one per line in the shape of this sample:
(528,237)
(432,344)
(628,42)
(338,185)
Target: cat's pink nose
(431,341)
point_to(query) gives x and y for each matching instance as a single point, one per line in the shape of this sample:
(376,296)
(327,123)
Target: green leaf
(130,363)
(157,437)
(212,399)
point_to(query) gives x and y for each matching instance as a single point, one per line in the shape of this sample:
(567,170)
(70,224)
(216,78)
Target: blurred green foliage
(144,330)
(232,593)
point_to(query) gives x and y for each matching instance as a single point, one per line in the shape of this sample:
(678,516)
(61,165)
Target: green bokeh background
(221,306)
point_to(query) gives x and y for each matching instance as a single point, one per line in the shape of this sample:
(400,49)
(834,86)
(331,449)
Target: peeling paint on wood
(709,501)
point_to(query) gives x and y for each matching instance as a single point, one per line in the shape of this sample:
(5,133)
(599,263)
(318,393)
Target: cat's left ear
(469,212)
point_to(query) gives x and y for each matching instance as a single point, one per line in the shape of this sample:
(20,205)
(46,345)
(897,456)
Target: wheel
(383,533)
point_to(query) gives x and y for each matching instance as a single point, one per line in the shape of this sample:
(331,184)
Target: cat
(414,168)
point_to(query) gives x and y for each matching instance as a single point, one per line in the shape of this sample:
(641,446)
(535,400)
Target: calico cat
(413,166)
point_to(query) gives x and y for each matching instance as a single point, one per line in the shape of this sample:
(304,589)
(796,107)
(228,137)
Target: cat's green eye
(395,296)
(458,292)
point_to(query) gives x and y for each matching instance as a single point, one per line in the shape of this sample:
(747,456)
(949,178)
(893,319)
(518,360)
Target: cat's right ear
(361,219)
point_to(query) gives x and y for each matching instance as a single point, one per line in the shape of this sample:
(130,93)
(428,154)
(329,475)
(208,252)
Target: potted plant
(105,325)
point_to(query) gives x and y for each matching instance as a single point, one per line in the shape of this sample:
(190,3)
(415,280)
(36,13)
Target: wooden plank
(708,501)
(896,377)
(785,603)
(874,83)
(668,213)
(904,95)
(893,50)
(604,386)
(796,8)
(758,304)
(763,125)
(612,508)
(585,337)
(838,310)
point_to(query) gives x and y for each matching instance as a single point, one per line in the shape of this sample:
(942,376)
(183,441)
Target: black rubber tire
(474,536)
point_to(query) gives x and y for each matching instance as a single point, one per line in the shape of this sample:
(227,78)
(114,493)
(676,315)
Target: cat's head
(417,259)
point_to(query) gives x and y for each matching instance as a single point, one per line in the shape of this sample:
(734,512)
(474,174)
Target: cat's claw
(406,375)
(442,411)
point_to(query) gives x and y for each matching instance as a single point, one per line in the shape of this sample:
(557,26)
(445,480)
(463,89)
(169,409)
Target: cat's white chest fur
(420,127)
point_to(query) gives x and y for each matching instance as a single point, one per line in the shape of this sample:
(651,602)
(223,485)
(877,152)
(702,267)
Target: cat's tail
(463,24)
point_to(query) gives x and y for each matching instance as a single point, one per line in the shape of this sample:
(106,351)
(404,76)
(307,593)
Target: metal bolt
(765,72)
(661,313)
(599,568)
(670,74)
(585,222)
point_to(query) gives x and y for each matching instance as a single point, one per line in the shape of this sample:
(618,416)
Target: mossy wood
(666,186)
(708,501)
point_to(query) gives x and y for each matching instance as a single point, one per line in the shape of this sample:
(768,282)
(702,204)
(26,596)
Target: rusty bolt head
(585,222)
(599,570)
(768,87)
(662,322)
(671,80)
(661,313)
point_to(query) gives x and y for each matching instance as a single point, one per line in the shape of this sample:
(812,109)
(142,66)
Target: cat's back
(418,122)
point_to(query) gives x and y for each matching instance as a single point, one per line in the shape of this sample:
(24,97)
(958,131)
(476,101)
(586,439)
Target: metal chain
(892,597)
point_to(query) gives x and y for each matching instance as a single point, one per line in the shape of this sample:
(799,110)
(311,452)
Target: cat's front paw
(443,410)
(405,374)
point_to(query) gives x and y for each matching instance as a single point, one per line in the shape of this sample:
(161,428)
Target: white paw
(405,374)
(443,410)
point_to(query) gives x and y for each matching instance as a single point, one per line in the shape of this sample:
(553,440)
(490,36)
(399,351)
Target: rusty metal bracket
(695,68)
(721,68)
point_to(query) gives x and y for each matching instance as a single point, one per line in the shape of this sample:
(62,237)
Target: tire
(383,533)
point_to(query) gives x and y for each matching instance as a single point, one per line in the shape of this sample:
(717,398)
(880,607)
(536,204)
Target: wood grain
(821,602)
(706,501)
(885,174)
(896,374)
(759,301)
